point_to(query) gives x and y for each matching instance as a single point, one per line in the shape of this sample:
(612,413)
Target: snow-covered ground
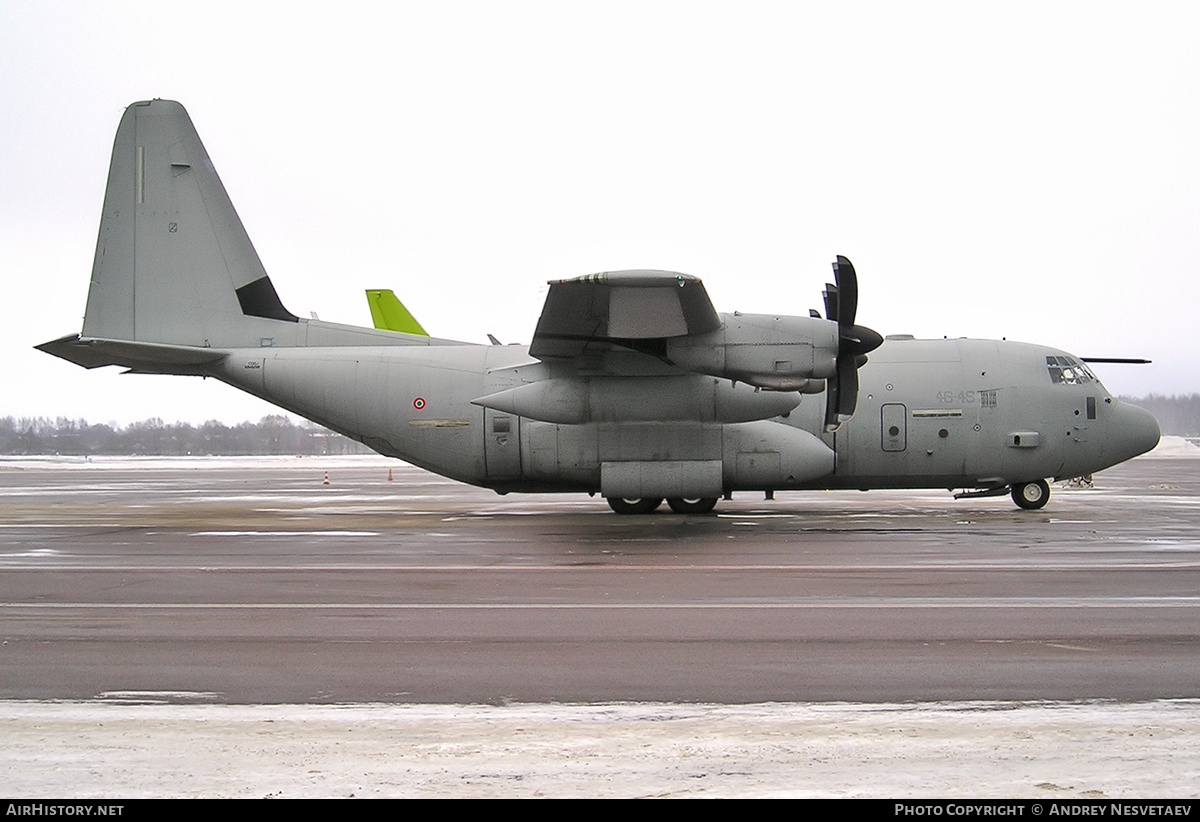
(1175,447)
(182,463)
(1090,750)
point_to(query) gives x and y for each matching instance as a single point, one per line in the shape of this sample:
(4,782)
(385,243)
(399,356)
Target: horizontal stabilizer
(151,358)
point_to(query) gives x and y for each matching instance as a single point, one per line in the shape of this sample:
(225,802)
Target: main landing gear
(641,505)
(699,505)
(646,505)
(1031,495)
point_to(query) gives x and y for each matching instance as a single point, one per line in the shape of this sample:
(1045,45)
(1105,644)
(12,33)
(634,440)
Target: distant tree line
(273,434)
(1177,415)
(277,434)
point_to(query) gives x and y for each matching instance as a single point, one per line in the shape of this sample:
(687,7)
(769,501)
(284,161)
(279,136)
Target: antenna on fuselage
(1122,360)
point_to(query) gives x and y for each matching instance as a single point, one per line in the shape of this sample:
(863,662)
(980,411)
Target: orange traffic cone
(389,475)
(326,482)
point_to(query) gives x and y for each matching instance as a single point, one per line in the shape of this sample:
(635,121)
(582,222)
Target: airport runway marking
(285,534)
(1114,602)
(1030,566)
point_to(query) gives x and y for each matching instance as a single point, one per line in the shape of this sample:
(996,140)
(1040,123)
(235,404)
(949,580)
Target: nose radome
(1134,431)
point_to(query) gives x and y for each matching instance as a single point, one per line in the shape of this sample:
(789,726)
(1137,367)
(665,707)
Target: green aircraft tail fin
(389,314)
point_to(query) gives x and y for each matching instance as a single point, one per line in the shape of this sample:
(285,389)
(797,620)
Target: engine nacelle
(691,397)
(780,353)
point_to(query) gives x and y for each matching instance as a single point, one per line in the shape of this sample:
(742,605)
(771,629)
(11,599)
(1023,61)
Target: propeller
(854,341)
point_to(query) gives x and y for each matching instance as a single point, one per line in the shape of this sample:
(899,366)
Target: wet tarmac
(250,581)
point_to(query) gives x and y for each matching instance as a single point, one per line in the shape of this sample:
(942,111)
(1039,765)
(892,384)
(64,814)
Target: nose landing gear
(1031,495)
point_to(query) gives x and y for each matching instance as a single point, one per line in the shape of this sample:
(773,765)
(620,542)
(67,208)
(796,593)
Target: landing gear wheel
(698,505)
(644,505)
(1031,495)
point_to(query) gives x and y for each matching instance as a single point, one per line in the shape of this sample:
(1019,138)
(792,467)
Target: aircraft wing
(632,309)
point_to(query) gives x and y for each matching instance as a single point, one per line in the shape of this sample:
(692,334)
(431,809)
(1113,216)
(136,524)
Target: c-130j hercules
(633,386)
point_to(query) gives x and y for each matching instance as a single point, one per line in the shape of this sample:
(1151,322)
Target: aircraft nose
(1134,430)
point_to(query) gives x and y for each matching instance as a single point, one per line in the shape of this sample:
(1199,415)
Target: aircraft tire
(699,505)
(1031,495)
(642,505)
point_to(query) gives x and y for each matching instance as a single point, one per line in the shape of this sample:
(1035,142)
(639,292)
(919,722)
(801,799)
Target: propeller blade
(831,404)
(848,386)
(847,288)
(854,342)
(831,301)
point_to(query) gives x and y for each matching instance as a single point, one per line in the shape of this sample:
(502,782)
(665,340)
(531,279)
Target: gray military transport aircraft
(633,387)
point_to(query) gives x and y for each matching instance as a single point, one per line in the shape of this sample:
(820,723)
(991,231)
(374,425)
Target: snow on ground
(1175,447)
(176,463)
(976,749)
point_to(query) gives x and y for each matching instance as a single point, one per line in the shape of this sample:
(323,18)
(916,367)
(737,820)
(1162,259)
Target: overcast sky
(1026,170)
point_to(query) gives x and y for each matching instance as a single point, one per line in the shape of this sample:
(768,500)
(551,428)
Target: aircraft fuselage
(955,413)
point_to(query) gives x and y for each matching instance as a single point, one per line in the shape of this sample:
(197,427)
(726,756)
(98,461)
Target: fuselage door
(894,426)
(502,444)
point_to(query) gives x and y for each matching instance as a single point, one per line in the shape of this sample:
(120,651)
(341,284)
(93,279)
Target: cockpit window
(1069,371)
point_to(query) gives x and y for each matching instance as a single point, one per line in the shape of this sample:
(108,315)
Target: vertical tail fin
(176,282)
(389,313)
(174,264)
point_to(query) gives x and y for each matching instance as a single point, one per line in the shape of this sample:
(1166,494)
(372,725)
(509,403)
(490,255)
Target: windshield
(1069,371)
